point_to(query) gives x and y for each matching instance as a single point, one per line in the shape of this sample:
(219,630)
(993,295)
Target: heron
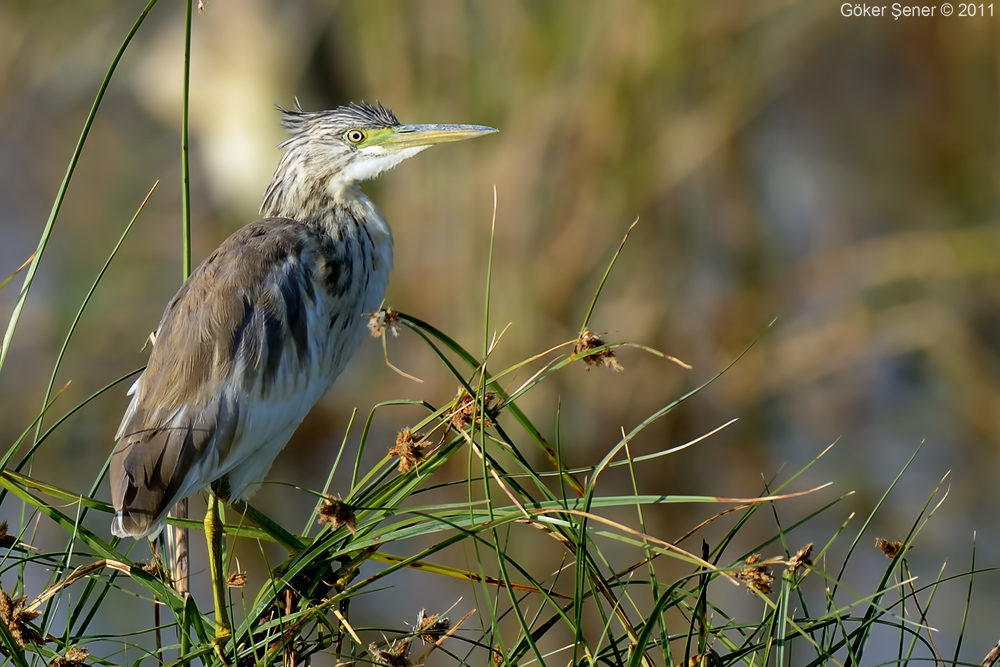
(262,328)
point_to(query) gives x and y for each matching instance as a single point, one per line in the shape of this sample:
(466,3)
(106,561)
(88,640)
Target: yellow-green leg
(214,535)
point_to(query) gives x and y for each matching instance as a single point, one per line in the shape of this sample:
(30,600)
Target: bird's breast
(339,275)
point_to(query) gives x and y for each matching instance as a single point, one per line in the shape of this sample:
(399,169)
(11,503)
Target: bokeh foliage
(783,160)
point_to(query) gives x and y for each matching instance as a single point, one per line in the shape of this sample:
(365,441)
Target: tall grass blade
(64,186)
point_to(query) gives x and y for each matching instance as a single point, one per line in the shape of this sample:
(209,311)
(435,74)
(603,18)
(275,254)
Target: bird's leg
(214,536)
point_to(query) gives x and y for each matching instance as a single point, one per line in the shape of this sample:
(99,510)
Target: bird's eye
(355,136)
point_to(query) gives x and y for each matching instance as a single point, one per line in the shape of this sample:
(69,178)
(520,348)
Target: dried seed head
(466,411)
(497,656)
(154,568)
(431,627)
(16,618)
(409,451)
(77,654)
(709,659)
(237,579)
(801,558)
(73,658)
(393,656)
(382,320)
(6,541)
(338,513)
(756,577)
(587,341)
(890,549)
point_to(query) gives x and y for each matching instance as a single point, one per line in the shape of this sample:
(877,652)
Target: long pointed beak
(409,136)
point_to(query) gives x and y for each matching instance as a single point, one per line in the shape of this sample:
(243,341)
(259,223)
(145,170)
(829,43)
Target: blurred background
(785,162)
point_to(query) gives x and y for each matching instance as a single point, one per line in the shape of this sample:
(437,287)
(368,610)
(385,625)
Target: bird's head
(358,142)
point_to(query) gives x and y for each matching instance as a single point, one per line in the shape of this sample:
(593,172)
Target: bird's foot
(223,633)
(222,637)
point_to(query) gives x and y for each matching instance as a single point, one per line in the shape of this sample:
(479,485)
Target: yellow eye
(355,136)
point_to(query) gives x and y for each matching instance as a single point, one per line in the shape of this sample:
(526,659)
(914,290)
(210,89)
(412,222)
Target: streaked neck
(305,190)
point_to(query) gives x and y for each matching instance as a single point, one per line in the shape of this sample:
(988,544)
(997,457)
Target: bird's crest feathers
(354,115)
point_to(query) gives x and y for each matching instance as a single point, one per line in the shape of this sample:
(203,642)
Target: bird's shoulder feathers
(249,317)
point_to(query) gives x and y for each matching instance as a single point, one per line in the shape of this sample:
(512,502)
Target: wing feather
(226,334)
(244,350)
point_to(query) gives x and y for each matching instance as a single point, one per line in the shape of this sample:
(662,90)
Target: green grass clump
(607,601)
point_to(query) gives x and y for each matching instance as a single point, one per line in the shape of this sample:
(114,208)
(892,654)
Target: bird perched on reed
(266,323)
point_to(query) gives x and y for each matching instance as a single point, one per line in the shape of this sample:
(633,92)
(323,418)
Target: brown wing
(223,334)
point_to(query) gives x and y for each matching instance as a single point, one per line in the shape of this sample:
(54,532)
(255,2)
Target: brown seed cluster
(755,575)
(382,320)
(73,658)
(587,341)
(16,618)
(338,513)
(237,579)
(409,450)
(801,558)
(890,549)
(154,568)
(701,659)
(431,627)
(392,656)
(467,410)
(6,541)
